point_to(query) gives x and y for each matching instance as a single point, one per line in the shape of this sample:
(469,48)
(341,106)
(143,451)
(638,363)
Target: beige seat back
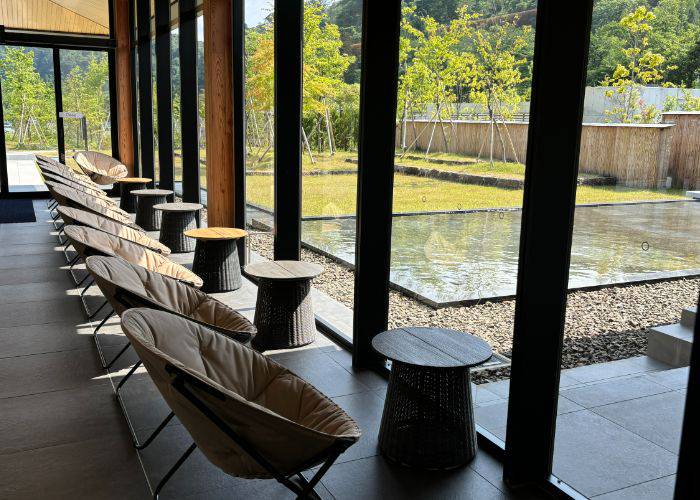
(93,191)
(283,417)
(67,196)
(77,217)
(88,241)
(126,285)
(101,168)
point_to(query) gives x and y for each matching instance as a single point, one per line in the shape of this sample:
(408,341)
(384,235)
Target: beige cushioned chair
(250,416)
(77,217)
(88,241)
(101,168)
(60,168)
(66,196)
(126,285)
(74,184)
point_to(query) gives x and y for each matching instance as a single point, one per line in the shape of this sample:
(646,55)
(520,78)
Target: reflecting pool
(455,257)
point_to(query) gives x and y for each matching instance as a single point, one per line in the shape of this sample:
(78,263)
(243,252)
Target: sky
(256,11)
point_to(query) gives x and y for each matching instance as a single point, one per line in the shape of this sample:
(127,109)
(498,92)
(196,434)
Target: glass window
(29,108)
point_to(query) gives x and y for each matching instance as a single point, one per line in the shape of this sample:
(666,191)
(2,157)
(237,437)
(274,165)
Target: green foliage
(28,102)
(641,67)
(685,102)
(86,90)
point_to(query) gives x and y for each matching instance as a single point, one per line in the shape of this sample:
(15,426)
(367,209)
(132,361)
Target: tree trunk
(430,141)
(306,143)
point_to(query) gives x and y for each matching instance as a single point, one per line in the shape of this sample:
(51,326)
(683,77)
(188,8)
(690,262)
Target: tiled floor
(618,428)
(62,434)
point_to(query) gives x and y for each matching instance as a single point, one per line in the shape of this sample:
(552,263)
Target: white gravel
(601,325)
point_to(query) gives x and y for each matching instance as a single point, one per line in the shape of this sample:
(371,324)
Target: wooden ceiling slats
(66,16)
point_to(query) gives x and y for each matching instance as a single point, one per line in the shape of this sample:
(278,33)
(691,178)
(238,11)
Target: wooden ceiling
(66,16)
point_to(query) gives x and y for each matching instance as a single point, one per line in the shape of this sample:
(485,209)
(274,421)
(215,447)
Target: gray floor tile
(33,292)
(602,371)
(29,262)
(375,478)
(613,391)
(321,371)
(370,378)
(38,313)
(494,417)
(658,489)
(37,339)
(55,371)
(58,417)
(41,274)
(30,249)
(596,456)
(366,409)
(673,379)
(657,418)
(106,468)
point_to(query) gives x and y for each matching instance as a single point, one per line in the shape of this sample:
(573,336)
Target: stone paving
(62,435)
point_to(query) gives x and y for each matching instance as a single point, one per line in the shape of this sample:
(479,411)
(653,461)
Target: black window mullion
(239,155)
(189,115)
(164,94)
(4,182)
(554,136)
(289,16)
(58,93)
(375,178)
(143,40)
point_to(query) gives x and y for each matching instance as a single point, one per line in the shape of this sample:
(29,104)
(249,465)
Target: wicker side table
(216,258)
(127,185)
(428,418)
(146,216)
(176,219)
(284,314)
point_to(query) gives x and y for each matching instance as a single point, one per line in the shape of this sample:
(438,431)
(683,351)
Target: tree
(497,73)
(27,99)
(86,90)
(642,67)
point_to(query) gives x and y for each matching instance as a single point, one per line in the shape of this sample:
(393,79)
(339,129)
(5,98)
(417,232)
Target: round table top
(432,347)
(178,207)
(134,180)
(152,192)
(216,233)
(284,270)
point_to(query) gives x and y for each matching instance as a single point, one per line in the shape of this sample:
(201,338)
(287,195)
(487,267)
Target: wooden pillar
(218,60)
(123,75)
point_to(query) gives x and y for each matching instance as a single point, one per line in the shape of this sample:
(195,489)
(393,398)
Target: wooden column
(123,75)
(218,60)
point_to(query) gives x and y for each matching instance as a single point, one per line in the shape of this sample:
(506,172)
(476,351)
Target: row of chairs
(247,414)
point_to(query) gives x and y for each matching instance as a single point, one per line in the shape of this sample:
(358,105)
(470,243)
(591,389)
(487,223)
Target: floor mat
(12,211)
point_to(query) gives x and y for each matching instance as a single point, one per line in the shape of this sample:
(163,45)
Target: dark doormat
(12,211)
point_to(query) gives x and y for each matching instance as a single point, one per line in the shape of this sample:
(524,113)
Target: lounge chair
(62,168)
(250,416)
(69,197)
(71,183)
(77,217)
(88,241)
(101,168)
(126,286)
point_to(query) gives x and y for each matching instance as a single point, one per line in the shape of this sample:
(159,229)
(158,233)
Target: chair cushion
(88,241)
(113,275)
(75,216)
(65,195)
(101,168)
(284,417)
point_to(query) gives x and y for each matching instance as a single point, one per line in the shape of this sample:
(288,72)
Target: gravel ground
(601,325)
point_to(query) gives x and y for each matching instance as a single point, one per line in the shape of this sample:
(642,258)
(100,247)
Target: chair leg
(134,439)
(173,470)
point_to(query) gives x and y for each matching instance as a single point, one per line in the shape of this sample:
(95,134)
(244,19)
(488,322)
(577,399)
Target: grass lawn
(336,195)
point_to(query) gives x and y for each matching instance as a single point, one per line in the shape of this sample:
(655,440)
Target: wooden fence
(636,155)
(684,162)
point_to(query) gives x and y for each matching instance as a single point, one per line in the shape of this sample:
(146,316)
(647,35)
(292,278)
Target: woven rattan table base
(428,420)
(127,201)
(146,216)
(216,262)
(172,227)
(284,314)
